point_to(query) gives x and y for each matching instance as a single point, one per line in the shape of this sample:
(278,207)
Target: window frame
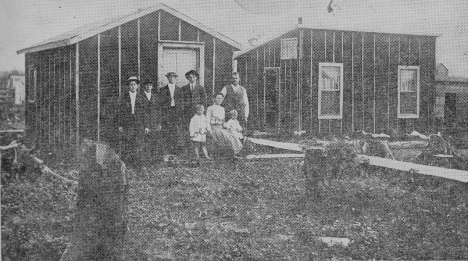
(283,43)
(418,88)
(320,90)
(32,75)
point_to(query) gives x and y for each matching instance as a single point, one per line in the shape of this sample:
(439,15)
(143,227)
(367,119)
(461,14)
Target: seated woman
(222,138)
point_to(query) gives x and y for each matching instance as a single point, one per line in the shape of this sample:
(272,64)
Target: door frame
(197,46)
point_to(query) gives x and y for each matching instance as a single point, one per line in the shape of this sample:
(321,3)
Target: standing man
(169,104)
(128,122)
(150,122)
(192,94)
(235,98)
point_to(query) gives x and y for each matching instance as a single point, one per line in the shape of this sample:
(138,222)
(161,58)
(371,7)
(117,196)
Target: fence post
(100,220)
(314,171)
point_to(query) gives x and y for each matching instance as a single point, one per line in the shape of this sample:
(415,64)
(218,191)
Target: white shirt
(132,100)
(172,90)
(192,86)
(246,99)
(148,95)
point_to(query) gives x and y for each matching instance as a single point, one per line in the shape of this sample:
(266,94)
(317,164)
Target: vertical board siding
(306,83)
(335,124)
(149,47)
(88,87)
(347,82)
(427,63)
(319,54)
(129,52)
(208,40)
(169,27)
(109,83)
(393,82)
(381,83)
(358,82)
(368,82)
(223,65)
(188,32)
(404,124)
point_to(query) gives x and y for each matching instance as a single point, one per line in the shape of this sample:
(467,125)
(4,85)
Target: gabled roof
(319,26)
(89,30)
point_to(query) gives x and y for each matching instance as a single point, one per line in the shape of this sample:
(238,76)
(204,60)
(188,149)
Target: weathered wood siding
(105,62)
(50,96)
(370,80)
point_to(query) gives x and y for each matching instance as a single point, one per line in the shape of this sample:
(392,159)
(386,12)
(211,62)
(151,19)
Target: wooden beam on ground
(277,144)
(453,174)
(274,156)
(11,131)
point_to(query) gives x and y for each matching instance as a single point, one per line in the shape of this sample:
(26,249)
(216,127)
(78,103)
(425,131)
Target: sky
(27,22)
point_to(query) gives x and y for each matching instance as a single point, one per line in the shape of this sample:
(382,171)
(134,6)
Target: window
(408,91)
(330,91)
(289,48)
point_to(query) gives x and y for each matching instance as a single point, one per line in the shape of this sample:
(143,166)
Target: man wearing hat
(192,95)
(129,123)
(150,122)
(169,104)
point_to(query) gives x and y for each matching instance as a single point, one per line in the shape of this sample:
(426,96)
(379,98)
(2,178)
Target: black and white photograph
(151,130)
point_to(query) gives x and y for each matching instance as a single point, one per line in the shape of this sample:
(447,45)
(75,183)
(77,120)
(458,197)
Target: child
(233,125)
(198,129)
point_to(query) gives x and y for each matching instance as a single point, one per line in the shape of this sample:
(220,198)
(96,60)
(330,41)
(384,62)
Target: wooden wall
(105,62)
(370,86)
(50,111)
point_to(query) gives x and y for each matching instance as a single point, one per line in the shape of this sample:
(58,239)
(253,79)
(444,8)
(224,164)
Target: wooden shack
(331,81)
(74,80)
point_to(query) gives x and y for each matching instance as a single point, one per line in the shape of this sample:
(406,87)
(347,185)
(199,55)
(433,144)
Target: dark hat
(145,82)
(169,74)
(133,78)
(192,72)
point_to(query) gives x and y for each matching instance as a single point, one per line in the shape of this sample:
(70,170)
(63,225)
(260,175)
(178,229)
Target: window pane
(408,80)
(289,48)
(330,78)
(408,103)
(330,104)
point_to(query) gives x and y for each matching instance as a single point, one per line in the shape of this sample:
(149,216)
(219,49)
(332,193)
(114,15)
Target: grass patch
(257,211)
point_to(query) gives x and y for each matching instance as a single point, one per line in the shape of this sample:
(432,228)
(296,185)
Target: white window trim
(320,116)
(198,46)
(404,115)
(281,48)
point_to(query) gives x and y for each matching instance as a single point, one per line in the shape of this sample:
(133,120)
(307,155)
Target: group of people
(168,120)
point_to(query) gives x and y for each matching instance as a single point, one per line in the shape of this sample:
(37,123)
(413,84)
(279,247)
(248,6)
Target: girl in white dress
(222,138)
(198,128)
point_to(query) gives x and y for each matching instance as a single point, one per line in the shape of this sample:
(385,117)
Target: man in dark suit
(169,104)
(128,122)
(150,122)
(192,95)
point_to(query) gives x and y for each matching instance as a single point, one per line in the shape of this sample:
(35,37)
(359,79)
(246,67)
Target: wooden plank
(459,175)
(77,96)
(11,131)
(277,144)
(98,83)
(274,156)
(453,174)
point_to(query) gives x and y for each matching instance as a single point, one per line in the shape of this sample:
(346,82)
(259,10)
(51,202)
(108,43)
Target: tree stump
(100,221)
(314,171)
